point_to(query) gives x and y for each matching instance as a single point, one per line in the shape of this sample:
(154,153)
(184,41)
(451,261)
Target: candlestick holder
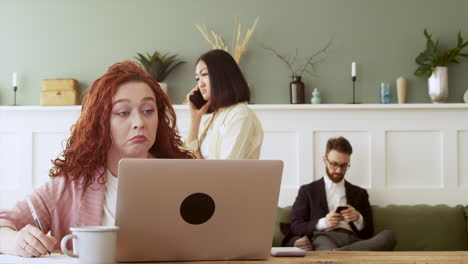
(15,88)
(353,78)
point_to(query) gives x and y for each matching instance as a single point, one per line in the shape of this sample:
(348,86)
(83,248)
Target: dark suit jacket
(311,205)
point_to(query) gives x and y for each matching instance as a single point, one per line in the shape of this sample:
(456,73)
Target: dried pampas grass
(239,41)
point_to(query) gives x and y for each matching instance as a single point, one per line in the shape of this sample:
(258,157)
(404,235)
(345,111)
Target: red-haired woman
(125,114)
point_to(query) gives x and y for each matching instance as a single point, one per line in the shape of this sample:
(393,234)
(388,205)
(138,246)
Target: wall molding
(403,154)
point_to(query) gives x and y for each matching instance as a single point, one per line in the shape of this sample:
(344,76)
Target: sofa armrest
(466,217)
(282,216)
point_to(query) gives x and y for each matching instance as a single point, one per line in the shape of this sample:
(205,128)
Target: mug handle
(63,245)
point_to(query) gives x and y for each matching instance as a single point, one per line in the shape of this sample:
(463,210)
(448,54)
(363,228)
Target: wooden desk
(355,257)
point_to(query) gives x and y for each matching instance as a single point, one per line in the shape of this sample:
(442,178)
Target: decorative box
(59,92)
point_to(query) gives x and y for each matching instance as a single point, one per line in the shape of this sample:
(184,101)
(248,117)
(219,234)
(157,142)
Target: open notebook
(52,259)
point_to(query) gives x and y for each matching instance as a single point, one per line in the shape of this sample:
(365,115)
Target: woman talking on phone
(232,131)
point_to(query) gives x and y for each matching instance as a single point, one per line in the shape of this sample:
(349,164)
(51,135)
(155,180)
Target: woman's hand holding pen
(32,242)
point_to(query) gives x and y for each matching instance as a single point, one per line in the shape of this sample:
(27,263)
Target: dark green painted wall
(80,39)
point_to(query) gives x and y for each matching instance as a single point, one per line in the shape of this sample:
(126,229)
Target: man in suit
(317,224)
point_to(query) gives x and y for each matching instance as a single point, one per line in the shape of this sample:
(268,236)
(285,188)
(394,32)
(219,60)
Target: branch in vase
(310,62)
(282,58)
(307,67)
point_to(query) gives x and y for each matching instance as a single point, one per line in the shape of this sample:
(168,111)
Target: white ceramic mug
(93,244)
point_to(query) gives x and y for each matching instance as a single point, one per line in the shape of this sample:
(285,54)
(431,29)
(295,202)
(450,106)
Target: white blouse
(233,133)
(108,216)
(205,145)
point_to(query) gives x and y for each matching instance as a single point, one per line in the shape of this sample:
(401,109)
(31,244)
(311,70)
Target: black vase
(297,90)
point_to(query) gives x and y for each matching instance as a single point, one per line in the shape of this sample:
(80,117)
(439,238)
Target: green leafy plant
(433,56)
(159,65)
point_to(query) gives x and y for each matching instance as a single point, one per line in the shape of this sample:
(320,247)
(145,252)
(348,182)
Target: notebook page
(52,259)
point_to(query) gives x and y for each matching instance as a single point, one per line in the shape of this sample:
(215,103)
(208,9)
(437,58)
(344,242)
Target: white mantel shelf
(273,107)
(402,153)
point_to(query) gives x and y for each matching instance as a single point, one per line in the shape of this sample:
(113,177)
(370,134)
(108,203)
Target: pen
(36,219)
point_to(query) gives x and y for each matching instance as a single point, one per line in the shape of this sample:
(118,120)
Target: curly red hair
(86,149)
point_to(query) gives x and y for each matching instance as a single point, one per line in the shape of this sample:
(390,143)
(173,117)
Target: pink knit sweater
(60,204)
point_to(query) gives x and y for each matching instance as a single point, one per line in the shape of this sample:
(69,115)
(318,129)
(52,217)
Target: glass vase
(296,90)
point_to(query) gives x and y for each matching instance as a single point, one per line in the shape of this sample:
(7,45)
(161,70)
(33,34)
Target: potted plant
(297,69)
(159,65)
(433,64)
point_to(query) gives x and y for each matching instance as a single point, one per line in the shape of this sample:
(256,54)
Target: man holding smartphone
(333,214)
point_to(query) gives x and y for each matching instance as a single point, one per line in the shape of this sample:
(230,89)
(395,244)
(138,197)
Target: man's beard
(335,177)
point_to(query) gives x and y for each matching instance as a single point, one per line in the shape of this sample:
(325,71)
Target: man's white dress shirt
(336,196)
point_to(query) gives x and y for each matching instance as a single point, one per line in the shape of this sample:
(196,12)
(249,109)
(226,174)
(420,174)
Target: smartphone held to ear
(197,99)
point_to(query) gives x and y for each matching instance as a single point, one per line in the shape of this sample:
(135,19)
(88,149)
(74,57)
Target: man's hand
(333,219)
(29,242)
(350,214)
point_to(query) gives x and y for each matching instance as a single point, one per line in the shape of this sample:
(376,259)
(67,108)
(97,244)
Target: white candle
(14,80)
(353,69)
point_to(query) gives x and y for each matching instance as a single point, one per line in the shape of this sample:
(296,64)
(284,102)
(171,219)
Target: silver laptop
(181,210)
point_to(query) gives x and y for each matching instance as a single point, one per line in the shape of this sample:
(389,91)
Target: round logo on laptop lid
(197,208)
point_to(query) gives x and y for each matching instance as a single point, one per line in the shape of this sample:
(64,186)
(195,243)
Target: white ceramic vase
(438,84)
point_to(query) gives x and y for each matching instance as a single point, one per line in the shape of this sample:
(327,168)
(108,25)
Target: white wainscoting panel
(46,146)
(13,167)
(402,154)
(463,159)
(8,161)
(288,154)
(288,141)
(414,159)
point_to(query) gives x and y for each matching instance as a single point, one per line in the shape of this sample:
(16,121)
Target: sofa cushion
(417,227)
(282,216)
(424,227)
(466,217)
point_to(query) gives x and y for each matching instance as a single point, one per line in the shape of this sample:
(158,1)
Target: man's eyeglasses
(335,165)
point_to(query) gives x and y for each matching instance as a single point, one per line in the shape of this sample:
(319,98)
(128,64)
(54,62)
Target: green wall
(80,39)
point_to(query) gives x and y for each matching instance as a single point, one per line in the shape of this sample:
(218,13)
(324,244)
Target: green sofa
(417,227)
